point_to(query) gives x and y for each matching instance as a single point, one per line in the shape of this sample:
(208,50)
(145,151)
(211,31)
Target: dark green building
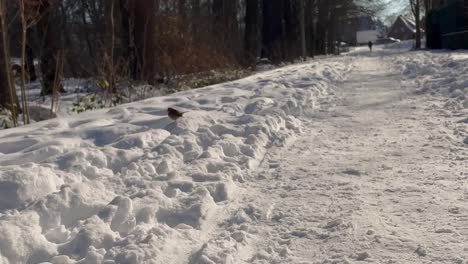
(447,25)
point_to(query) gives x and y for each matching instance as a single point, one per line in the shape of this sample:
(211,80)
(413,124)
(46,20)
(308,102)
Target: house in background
(447,24)
(403,29)
(348,28)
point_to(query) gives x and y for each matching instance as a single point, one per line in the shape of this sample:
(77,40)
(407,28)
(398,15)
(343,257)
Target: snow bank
(437,73)
(441,74)
(129,185)
(402,45)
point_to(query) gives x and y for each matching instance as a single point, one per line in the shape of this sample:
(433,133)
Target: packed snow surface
(358,158)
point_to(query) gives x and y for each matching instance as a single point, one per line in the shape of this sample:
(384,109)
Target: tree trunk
(145,39)
(8,98)
(252,36)
(49,46)
(138,18)
(196,15)
(70,58)
(290,40)
(331,34)
(302,29)
(85,29)
(5,100)
(418,24)
(311,23)
(30,58)
(272,29)
(322,26)
(219,17)
(128,27)
(416,9)
(225,28)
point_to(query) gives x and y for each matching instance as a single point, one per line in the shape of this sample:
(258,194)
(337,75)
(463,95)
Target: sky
(396,6)
(392,10)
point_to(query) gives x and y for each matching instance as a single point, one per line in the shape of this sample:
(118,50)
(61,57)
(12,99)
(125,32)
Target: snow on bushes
(129,185)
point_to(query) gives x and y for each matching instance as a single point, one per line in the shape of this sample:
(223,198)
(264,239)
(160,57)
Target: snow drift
(128,185)
(437,73)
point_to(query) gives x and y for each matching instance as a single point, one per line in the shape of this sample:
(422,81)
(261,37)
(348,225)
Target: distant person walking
(370,45)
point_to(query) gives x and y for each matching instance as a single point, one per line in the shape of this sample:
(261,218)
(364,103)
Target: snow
(460,56)
(402,46)
(356,158)
(118,184)
(437,73)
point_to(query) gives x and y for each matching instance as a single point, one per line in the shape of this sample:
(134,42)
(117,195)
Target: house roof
(407,22)
(410,24)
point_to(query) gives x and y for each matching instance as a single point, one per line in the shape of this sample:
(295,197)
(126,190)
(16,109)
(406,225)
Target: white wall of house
(363,37)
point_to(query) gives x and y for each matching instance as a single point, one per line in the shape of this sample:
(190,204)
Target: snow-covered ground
(130,185)
(340,160)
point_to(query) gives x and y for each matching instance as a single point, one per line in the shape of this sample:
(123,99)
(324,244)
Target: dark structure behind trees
(447,24)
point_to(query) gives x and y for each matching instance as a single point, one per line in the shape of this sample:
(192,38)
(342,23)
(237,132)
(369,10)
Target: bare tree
(110,61)
(311,25)
(145,38)
(416,10)
(138,18)
(50,43)
(29,14)
(302,29)
(8,97)
(24,27)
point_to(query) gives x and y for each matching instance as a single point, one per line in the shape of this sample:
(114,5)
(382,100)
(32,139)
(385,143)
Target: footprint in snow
(333,224)
(274,165)
(421,251)
(353,172)
(362,256)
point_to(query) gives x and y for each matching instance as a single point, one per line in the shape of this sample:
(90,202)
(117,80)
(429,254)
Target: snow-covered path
(348,159)
(376,178)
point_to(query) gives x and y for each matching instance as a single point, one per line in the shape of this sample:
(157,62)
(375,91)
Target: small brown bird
(174,114)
